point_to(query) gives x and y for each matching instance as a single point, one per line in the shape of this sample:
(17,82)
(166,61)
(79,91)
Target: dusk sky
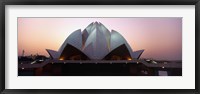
(161,38)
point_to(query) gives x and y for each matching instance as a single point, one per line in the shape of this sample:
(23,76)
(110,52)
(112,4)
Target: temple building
(95,42)
(96,51)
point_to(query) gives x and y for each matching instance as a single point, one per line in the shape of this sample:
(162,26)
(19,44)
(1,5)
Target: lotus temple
(96,51)
(95,42)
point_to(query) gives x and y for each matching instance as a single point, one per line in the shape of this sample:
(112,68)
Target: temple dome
(95,42)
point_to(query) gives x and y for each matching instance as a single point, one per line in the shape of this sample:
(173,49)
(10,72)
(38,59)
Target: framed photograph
(105,46)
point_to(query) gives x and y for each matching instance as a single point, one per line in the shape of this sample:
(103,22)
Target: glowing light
(41,60)
(33,62)
(154,62)
(163,67)
(147,60)
(61,59)
(137,62)
(129,58)
(22,68)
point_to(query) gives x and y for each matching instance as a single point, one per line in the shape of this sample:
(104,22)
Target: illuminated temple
(95,42)
(96,51)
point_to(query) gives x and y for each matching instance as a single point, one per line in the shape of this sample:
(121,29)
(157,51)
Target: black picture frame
(3,3)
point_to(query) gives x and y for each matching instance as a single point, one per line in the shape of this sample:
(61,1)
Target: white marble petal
(117,39)
(74,39)
(137,54)
(53,54)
